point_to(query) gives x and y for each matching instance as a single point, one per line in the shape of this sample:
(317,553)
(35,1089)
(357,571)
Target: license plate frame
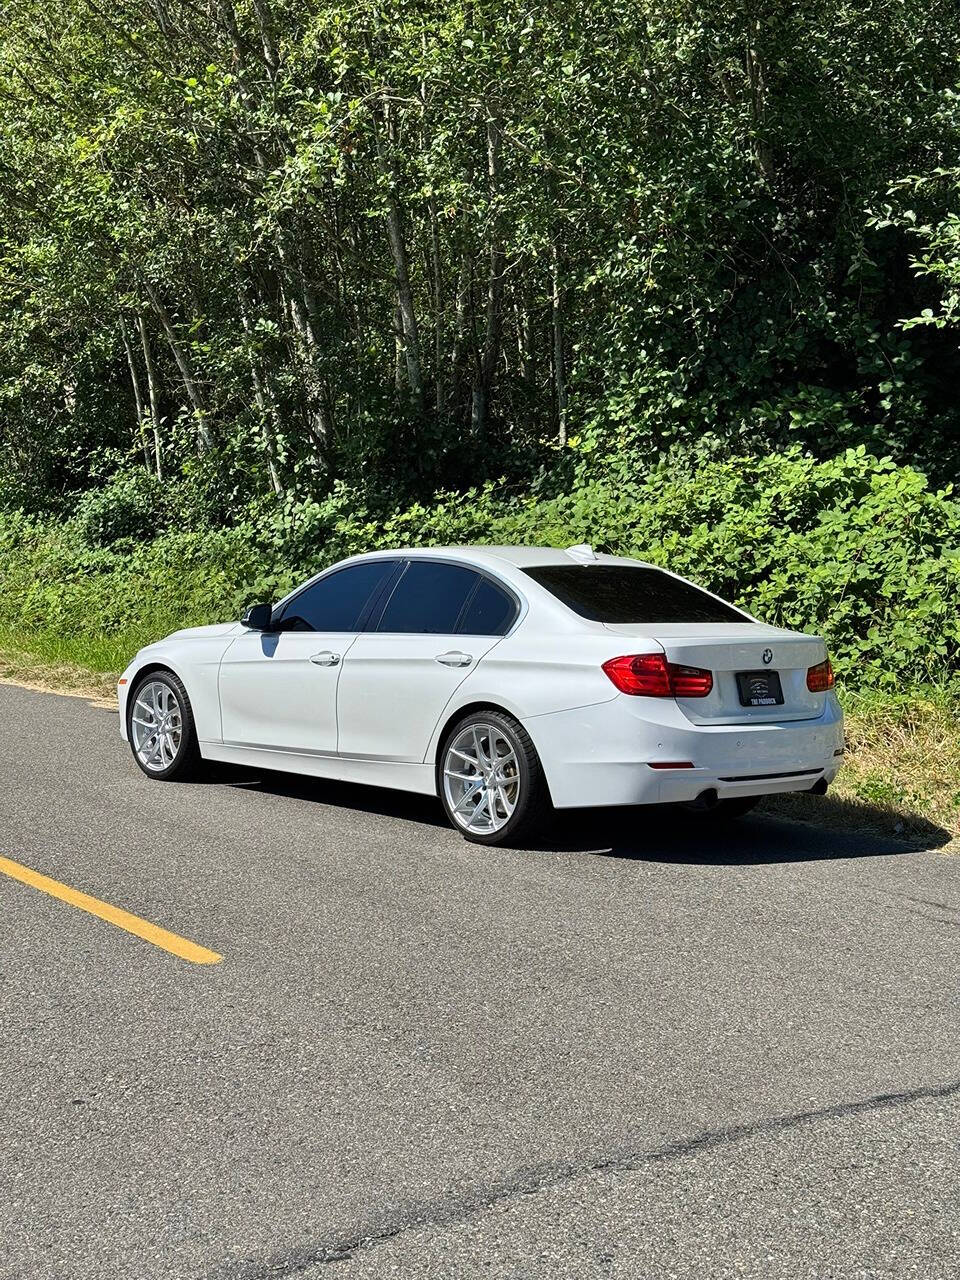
(760,688)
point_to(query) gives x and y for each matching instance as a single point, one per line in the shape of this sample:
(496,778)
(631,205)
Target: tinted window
(428,598)
(628,593)
(489,612)
(337,602)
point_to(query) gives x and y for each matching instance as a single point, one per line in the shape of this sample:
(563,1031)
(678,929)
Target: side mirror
(258,617)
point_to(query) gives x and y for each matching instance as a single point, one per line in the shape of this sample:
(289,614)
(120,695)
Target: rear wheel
(490,779)
(161,729)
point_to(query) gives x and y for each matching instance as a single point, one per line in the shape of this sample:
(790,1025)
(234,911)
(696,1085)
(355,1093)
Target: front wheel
(161,729)
(490,779)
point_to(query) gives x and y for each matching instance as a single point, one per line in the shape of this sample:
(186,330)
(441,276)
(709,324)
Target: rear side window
(339,601)
(489,612)
(428,598)
(630,593)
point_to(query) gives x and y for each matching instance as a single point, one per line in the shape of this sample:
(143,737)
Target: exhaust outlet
(707,799)
(819,788)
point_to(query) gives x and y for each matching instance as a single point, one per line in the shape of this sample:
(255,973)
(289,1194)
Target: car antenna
(583,553)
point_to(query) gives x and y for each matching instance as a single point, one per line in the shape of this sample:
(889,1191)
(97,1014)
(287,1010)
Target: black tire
(187,761)
(724,810)
(533,807)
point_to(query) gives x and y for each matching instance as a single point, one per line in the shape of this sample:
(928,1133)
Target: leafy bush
(132,504)
(855,548)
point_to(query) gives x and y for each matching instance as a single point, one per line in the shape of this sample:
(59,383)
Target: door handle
(455,659)
(325,659)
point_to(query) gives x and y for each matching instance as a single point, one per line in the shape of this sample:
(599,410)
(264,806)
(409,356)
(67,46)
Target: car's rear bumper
(612,754)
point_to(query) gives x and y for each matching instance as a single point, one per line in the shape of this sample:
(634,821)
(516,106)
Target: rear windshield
(630,593)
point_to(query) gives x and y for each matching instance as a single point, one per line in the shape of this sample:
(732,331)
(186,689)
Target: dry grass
(30,672)
(901,773)
(906,760)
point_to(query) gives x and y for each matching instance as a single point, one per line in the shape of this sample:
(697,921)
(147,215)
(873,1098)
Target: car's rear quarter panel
(596,744)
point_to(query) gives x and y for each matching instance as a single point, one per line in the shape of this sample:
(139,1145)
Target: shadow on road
(661,834)
(346,795)
(680,838)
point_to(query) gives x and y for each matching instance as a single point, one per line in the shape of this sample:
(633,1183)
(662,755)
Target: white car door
(437,623)
(278,688)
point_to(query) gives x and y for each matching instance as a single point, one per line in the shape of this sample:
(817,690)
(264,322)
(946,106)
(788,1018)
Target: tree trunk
(438,326)
(298,306)
(434,262)
(152,389)
(189,382)
(263,403)
(137,393)
(461,330)
(265,21)
(758,94)
(525,337)
(493,318)
(559,370)
(398,349)
(401,267)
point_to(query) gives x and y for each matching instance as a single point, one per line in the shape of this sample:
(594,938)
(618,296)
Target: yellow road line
(181,947)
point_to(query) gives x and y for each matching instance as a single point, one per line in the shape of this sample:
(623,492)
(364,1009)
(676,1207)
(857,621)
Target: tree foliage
(261,247)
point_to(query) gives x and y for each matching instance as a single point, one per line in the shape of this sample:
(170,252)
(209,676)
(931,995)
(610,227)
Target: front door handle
(325,659)
(455,659)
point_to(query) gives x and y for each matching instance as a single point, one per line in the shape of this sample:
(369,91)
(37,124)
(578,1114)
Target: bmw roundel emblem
(767,657)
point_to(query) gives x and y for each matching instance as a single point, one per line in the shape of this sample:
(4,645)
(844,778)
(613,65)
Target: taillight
(820,677)
(690,682)
(651,675)
(642,673)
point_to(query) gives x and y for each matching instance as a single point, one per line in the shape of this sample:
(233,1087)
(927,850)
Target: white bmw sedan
(509,681)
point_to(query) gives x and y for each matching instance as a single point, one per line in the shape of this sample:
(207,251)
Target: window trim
(502,586)
(389,580)
(373,620)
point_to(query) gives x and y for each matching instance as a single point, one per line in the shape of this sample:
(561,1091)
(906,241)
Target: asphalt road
(644,1050)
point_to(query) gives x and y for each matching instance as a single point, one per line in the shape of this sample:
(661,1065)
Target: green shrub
(857,549)
(131,505)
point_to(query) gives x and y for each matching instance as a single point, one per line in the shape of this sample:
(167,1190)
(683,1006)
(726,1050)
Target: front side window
(626,593)
(428,599)
(339,601)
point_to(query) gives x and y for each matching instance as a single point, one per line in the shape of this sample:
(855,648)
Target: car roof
(520,557)
(507,563)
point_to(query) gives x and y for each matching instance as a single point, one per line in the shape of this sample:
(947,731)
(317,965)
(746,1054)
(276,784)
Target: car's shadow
(645,833)
(681,838)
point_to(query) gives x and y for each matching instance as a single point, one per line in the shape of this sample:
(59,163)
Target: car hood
(214,629)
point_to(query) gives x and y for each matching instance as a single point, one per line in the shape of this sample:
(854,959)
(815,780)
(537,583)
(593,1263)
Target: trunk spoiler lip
(709,632)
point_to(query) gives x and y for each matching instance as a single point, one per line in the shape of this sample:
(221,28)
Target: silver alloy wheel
(156,726)
(481,778)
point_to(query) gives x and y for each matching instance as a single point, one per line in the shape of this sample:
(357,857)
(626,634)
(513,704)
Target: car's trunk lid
(772,664)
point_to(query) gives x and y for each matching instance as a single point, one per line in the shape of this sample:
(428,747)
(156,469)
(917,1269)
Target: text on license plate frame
(760,688)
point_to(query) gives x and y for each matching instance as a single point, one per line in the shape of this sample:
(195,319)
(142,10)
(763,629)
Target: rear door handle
(325,658)
(455,659)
